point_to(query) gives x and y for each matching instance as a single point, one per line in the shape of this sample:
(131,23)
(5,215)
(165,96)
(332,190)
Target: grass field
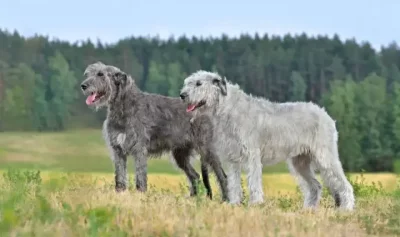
(73,195)
(72,151)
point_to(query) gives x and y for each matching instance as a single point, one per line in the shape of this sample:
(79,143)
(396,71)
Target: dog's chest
(117,138)
(121,139)
(117,134)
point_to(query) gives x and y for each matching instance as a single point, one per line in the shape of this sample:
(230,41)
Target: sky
(377,22)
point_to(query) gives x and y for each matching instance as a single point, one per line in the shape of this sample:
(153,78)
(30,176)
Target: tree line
(359,87)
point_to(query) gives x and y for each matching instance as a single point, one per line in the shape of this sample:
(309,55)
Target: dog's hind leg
(203,131)
(300,167)
(213,160)
(206,178)
(182,159)
(334,178)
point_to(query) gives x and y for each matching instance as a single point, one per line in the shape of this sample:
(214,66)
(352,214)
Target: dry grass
(83,203)
(86,205)
(274,184)
(165,214)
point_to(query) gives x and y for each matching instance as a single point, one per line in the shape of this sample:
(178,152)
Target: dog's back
(165,122)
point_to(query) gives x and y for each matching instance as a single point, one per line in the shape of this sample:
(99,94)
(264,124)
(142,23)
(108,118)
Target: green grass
(67,204)
(74,196)
(73,151)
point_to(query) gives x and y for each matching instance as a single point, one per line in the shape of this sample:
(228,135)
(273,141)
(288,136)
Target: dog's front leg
(121,178)
(138,150)
(140,157)
(254,178)
(234,183)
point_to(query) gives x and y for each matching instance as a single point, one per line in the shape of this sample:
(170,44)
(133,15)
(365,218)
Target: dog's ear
(221,83)
(119,77)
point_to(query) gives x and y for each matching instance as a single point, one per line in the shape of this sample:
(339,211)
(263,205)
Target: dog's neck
(237,102)
(124,99)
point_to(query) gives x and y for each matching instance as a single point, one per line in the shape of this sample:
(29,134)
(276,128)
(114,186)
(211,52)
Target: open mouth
(192,107)
(93,97)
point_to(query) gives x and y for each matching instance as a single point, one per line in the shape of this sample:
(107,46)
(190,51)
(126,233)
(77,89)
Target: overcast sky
(367,20)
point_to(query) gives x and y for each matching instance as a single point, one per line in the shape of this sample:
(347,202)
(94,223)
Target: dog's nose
(183,95)
(83,86)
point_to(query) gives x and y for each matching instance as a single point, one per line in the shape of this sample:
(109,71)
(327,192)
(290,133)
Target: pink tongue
(190,108)
(90,99)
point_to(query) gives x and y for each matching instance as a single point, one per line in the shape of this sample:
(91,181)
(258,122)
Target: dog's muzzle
(84,86)
(183,95)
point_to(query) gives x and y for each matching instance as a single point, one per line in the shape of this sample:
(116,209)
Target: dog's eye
(100,74)
(198,83)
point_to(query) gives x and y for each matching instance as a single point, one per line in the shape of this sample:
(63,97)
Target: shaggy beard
(98,106)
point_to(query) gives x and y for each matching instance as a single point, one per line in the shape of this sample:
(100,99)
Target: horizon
(77,21)
(164,38)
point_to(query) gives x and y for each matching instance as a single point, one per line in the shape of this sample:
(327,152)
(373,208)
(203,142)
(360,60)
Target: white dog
(250,132)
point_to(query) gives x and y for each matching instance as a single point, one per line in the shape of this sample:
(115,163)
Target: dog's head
(202,90)
(101,83)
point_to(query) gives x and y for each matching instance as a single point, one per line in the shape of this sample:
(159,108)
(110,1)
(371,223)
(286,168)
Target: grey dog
(143,124)
(251,132)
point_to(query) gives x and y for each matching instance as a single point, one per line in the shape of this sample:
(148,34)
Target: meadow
(61,184)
